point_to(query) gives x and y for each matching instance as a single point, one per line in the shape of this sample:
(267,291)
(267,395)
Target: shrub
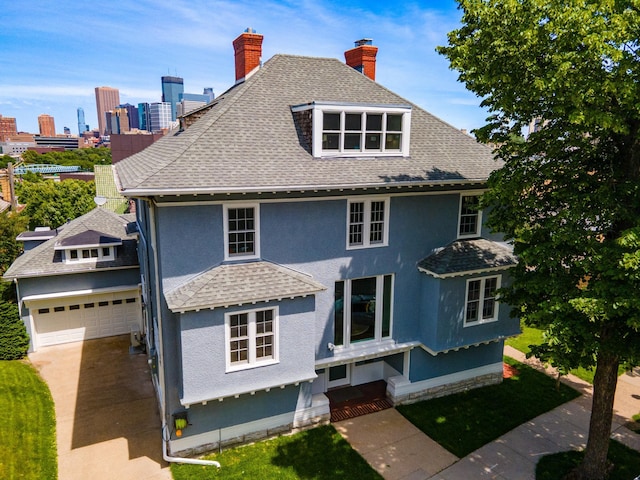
(14,340)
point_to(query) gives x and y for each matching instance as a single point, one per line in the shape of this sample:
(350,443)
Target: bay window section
(363,310)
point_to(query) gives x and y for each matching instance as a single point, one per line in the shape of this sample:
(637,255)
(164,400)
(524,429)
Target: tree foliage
(569,196)
(51,204)
(14,340)
(85,158)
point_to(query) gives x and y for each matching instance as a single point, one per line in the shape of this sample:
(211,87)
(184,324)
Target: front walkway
(399,451)
(107,421)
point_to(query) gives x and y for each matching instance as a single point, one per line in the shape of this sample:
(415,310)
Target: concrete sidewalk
(399,451)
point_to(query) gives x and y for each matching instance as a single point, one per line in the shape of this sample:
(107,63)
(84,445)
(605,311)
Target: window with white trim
(252,338)
(367,223)
(93,254)
(363,310)
(241,231)
(470,218)
(481,304)
(358,129)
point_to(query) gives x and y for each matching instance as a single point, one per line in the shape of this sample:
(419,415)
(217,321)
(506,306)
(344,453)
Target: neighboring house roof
(249,141)
(106,188)
(46,260)
(462,257)
(4,205)
(238,284)
(38,235)
(87,238)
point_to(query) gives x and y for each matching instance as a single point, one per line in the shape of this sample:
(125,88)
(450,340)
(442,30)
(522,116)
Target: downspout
(163,413)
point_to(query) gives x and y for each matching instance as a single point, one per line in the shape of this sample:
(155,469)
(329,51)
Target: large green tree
(569,196)
(51,204)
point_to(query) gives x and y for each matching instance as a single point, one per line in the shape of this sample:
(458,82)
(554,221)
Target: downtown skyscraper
(172,88)
(47,125)
(107,99)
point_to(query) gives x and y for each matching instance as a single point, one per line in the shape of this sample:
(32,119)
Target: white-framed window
(242,231)
(359,129)
(251,338)
(363,310)
(89,254)
(481,304)
(470,218)
(367,222)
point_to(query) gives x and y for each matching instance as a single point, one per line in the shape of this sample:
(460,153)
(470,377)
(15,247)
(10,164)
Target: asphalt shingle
(464,256)
(239,284)
(249,139)
(45,260)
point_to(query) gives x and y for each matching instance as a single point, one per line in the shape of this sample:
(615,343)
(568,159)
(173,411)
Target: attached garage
(75,318)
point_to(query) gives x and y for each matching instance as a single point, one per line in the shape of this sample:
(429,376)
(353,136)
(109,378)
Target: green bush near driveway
(28,433)
(464,422)
(319,453)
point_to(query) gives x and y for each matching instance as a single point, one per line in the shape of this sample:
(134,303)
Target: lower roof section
(239,284)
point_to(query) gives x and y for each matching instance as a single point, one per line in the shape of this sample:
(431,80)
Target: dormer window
(358,130)
(102,254)
(89,246)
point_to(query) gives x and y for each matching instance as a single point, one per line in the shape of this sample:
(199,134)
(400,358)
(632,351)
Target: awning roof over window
(240,284)
(463,257)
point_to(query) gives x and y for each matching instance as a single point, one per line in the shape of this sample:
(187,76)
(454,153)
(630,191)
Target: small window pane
(394,123)
(131,300)
(73,254)
(353,121)
(89,305)
(43,310)
(103,304)
(374,122)
(74,307)
(85,253)
(58,309)
(117,302)
(386,312)
(392,141)
(372,141)
(330,141)
(331,121)
(106,252)
(352,141)
(94,253)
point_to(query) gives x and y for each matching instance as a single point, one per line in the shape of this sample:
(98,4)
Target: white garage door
(74,319)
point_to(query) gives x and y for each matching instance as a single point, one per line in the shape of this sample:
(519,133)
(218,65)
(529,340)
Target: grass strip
(626,463)
(318,453)
(466,421)
(27,437)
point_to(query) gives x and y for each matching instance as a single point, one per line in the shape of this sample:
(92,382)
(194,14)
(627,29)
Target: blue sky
(54,53)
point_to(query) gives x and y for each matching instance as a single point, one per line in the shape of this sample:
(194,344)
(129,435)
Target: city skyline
(42,73)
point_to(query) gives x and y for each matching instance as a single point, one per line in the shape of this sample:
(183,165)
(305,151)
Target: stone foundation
(402,392)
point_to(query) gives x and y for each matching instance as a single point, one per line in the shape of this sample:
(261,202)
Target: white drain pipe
(191,461)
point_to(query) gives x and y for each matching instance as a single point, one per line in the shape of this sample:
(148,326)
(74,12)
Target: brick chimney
(363,57)
(248,49)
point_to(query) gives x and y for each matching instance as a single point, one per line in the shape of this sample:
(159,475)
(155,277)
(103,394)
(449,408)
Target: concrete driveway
(107,419)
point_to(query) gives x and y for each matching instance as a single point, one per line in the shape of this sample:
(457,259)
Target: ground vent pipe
(191,461)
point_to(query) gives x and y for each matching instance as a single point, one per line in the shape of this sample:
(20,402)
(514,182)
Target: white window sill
(249,366)
(480,322)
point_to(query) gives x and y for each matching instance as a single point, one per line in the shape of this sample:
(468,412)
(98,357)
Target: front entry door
(338,376)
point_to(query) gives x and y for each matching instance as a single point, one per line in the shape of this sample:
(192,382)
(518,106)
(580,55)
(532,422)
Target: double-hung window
(470,218)
(241,231)
(481,305)
(367,223)
(362,310)
(251,338)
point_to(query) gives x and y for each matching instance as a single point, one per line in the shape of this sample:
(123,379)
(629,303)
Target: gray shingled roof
(249,140)
(44,260)
(239,284)
(466,256)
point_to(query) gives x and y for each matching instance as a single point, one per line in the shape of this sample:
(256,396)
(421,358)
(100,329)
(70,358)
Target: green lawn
(626,463)
(28,433)
(533,336)
(466,421)
(320,453)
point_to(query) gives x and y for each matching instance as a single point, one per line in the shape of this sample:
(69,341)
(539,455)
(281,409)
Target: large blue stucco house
(306,230)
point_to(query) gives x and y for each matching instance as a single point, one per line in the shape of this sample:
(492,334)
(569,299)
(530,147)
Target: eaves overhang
(265,189)
(465,272)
